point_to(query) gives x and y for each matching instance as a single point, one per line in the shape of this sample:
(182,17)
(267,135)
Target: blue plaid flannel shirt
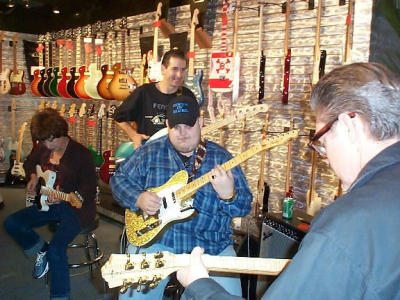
(153,164)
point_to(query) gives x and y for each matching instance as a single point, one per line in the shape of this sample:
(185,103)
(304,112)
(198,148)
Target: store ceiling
(37,16)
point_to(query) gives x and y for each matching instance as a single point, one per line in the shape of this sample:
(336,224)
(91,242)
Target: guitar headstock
(54,105)
(90,110)
(41,105)
(62,110)
(135,270)
(111,111)
(15,39)
(255,109)
(78,32)
(13,104)
(110,25)
(195,17)
(158,12)
(74,200)
(82,110)
(279,139)
(72,110)
(123,24)
(101,113)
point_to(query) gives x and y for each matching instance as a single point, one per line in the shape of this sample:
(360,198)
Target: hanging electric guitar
(90,126)
(65,75)
(17,172)
(261,58)
(49,71)
(72,70)
(60,42)
(176,195)
(36,73)
(148,269)
(94,68)
(107,169)
(71,119)
(288,187)
(122,84)
(287,55)
(81,125)
(221,69)
(313,201)
(262,185)
(193,82)
(97,154)
(11,142)
(5,85)
(319,55)
(154,63)
(45,187)
(83,70)
(16,76)
(43,72)
(107,74)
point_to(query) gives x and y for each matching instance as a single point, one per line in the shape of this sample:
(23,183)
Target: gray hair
(368,89)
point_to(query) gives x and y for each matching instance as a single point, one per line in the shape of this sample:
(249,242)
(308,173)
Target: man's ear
(166,123)
(350,126)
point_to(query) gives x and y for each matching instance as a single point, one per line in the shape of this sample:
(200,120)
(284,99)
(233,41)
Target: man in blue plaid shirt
(225,197)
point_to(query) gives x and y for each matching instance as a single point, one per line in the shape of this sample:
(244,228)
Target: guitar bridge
(148,228)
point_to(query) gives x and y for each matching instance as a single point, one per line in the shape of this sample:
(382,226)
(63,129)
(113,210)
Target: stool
(90,242)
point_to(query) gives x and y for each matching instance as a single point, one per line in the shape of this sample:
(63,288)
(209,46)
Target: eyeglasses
(314,142)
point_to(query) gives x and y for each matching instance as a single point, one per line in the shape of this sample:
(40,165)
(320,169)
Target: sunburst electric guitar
(176,196)
(128,270)
(17,76)
(45,187)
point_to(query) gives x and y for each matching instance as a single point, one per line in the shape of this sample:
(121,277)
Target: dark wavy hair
(173,53)
(48,123)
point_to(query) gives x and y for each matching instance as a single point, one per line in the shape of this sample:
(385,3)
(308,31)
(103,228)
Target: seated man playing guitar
(71,166)
(151,165)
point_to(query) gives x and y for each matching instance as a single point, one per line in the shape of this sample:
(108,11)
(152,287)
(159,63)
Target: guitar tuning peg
(159,254)
(125,285)
(159,263)
(144,264)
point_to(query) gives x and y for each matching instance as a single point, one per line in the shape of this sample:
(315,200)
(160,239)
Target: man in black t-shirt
(146,105)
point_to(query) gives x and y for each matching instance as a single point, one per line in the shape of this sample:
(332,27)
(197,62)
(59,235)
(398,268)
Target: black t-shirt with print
(146,106)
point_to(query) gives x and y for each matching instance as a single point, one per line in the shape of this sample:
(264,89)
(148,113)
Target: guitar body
(92,81)
(221,72)
(122,84)
(62,85)
(102,86)
(5,85)
(35,82)
(194,84)
(124,151)
(143,230)
(16,173)
(98,159)
(154,71)
(40,86)
(17,83)
(46,84)
(107,169)
(54,82)
(71,83)
(47,179)
(80,84)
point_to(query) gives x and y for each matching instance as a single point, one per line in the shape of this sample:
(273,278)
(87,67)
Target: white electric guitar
(45,187)
(148,269)
(18,169)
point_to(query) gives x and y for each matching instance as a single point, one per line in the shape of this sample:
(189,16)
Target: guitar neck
(312,177)
(244,265)
(15,57)
(191,50)
(316,63)
(155,45)
(347,49)
(57,194)
(1,56)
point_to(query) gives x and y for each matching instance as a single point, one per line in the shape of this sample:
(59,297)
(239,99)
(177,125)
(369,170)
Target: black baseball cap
(182,110)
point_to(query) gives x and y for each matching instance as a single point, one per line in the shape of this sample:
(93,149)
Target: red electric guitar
(107,169)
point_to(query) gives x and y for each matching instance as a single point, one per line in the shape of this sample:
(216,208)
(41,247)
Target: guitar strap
(200,154)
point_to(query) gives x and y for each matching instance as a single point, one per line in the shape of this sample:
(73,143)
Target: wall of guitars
(286,38)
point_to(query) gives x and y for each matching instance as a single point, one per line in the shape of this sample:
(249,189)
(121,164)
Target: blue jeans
(230,282)
(20,227)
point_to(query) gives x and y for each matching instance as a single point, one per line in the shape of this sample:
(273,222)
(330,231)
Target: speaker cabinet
(280,238)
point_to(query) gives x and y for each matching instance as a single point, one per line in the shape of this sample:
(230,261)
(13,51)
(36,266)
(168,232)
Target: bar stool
(89,244)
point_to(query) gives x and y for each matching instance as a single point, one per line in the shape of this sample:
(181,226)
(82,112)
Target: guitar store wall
(301,41)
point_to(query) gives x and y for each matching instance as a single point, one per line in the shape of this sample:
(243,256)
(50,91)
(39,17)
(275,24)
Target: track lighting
(10,4)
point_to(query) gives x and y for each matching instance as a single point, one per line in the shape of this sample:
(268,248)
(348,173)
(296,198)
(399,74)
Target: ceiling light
(56,11)
(27,3)
(10,4)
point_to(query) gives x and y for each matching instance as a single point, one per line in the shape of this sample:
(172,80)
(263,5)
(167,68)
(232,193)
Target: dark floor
(15,268)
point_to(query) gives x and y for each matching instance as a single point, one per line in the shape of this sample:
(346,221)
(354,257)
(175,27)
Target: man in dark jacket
(352,248)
